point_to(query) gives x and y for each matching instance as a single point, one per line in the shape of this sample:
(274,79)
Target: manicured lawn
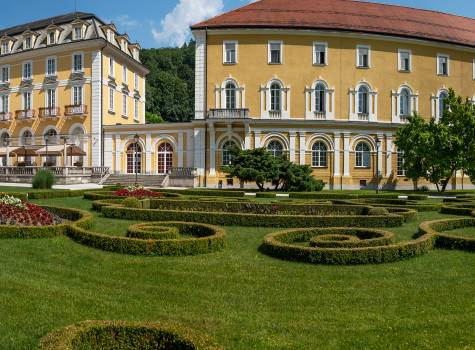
(245,299)
(463,232)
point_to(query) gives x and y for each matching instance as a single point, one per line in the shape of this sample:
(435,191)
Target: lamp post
(377,141)
(6,143)
(136,140)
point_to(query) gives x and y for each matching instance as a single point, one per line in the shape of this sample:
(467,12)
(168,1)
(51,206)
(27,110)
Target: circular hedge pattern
(103,335)
(449,240)
(154,239)
(368,246)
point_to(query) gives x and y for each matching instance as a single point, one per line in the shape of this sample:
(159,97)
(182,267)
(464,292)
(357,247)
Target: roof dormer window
(77,33)
(124,45)
(5,49)
(27,43)
(51,38)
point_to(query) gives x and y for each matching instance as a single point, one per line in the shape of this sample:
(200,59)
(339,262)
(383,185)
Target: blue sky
(158,23)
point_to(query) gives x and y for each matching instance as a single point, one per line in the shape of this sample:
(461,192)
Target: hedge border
(446,240)
(465,209)
(67,338)
(275,247)
(255,220)
(153,247)
(80,217)
(323,239)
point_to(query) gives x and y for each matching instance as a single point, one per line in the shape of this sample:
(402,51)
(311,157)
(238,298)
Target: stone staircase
(129,179)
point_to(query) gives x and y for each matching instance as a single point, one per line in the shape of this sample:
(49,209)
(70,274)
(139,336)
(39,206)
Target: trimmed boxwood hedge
(265,194)
(121,335)
(284,245)
(207,239)
(447,240)
(337,195)
(349,238)
(257,220)
(152,231)
(100,195)
(205,192)
(81,217)
(464,209)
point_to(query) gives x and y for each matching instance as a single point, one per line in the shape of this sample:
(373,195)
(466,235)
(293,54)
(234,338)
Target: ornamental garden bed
(126,336)
(446,235)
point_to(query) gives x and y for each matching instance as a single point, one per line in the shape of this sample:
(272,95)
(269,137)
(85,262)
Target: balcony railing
(222,113)
(25,114)
(320,115)
(403,118)
(5,116)
(363,117)
(275,114)
(49,112)
(75,110)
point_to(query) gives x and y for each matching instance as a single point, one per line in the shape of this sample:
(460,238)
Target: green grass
(462,232)
(245,299)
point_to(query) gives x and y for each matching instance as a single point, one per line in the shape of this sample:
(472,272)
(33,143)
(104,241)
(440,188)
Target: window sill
(363,67)
(111,111)
(442,75)
(229,63)
(363,167)
(320,64)
(274,63)
(404,71)
(124,117)
(319,167)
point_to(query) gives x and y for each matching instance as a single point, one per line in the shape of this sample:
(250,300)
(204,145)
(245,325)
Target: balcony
(25,114)
(275,114)
(320,115)
(5,116)
(75,110)
(49,112)
(403,118)
(364,117)
(236,113)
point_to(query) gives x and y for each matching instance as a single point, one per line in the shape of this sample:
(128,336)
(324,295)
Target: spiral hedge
(89,335)
(367,246)
(76,216)
(447,240)
(143,239)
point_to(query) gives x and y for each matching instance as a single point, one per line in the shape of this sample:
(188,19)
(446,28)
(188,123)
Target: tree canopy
(171,82)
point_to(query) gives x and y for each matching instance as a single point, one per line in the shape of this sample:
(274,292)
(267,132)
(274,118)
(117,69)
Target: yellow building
(61,80)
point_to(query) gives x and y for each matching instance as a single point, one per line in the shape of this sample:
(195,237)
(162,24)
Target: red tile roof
(347,15)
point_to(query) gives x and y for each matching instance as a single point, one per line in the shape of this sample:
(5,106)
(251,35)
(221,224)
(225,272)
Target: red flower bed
(30,215)
(137,193)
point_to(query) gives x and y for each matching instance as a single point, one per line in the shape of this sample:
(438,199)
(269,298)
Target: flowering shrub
(13,211)
(137,192)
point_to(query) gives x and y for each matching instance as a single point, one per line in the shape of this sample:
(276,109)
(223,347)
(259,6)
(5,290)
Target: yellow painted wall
(297,70)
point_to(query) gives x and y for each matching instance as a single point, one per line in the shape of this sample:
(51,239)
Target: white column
(200,74)
(389,155)
(148,154)
(189,149)
(96,107)
(108,151)
(336,155)
(118,150)
(303,147)
(257,138)
(247,136)
(292,135)
(380,156)
(212,150)
(180,149)
(346,155)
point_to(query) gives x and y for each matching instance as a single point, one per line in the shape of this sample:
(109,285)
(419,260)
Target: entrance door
(165,157)
(134,158)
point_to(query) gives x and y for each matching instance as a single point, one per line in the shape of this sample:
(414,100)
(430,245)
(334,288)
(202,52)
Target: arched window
(227,156)
(443,96)
(275,97)
(230,91)
(405,103)
(165,157)
(4,140)
(363,100)
(51,137)
(134,158)
(363,155)
(320,98)
(319,154)
(26,138)
(276,148)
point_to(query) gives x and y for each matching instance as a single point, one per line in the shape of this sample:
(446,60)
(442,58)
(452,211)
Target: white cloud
(175,26)
(125,21)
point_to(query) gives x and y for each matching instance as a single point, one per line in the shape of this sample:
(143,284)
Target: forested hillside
(171,83)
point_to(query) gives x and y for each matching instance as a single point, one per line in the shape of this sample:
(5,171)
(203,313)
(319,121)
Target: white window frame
(55,66)
(6,66)
(55,104)
(314,53)
(136,81)
(48,36)
(80,31)
(281,58)
(23,70)
(358,63)
(399,60)
(136,109)
(125,73)
(439,56)
(82,62)
(23,99)
(235,42)
(111,67)
(2,105)
(25,41)
(111,99)
(4,50)
(73,102)
(400,171)
(473,69)
(124,105)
